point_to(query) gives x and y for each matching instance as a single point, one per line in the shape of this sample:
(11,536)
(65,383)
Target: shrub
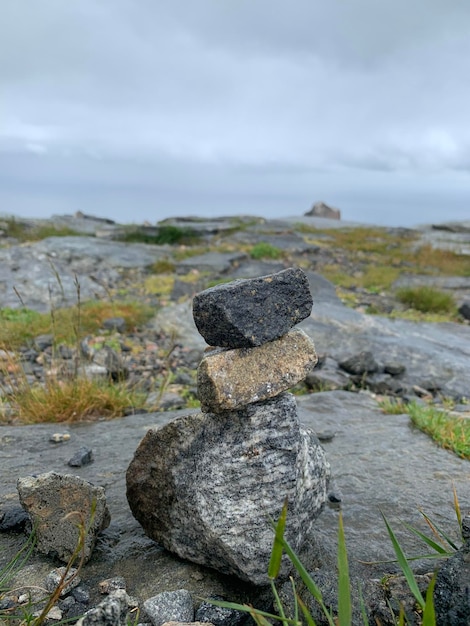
(265,250)
(426,299)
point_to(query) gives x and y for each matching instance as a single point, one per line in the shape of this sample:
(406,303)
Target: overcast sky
(143,109)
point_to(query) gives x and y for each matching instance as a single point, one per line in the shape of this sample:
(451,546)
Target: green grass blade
(306,613)
(362,606)
(405,568)
(296,604)
(344,590)
(276,552)
(432,544)
(429,614)
(280,608)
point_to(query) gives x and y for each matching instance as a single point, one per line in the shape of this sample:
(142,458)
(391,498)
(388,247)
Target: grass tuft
(450,432)
(265,250)
(170,235)
(426,299)
(72,400)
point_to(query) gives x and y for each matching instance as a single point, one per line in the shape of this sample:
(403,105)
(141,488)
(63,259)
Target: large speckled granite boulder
(204,485)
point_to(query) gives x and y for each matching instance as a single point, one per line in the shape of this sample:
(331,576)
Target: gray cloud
(154,94)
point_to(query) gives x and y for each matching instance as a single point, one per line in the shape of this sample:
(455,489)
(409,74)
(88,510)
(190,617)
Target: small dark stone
(13,519)
(394,368)
(65,352)
(325,435)
(81,594)
(219,616)
(29,355)
(361,363)
(7,603)
(76,610)
(384,384)
(464,310)
(83,456)
(66,604)
(326,379)
(115,323)
(335,497)
(251,312)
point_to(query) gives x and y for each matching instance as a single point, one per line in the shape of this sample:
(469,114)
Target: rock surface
(205,484)
(230,379)
(251,312)
(57,504)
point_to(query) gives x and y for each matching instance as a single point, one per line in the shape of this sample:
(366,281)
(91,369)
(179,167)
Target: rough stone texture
(246,313)
(451,593)
(111,612)
(50,498)
(170,606)
(231,379)
(204,484)
(320,209)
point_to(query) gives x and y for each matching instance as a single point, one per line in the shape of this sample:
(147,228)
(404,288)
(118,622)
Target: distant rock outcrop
(320,209)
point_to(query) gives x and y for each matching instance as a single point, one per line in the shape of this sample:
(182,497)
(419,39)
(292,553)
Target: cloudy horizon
(141,111)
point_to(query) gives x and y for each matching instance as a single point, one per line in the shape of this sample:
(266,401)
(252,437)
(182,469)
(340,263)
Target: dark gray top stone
(247,313)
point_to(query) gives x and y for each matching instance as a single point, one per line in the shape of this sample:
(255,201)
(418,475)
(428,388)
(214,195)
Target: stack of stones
(205,484)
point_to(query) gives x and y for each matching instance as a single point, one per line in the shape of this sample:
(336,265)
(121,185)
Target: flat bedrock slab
(57,503)
(204,485)
(251,312)
(231,379)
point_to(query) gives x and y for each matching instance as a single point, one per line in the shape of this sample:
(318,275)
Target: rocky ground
(378,462)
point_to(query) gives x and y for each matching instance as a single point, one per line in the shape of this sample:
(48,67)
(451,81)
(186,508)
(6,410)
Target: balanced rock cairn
(205,484)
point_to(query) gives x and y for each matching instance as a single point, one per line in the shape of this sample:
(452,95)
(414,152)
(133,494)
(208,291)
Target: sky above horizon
(145,110)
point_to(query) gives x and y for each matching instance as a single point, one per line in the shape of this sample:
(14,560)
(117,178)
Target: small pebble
(326,435)
(59,437)
(83,456)
(54,577)
(111,584)
(81,594)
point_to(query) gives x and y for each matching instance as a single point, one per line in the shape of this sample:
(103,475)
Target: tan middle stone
(231,379)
